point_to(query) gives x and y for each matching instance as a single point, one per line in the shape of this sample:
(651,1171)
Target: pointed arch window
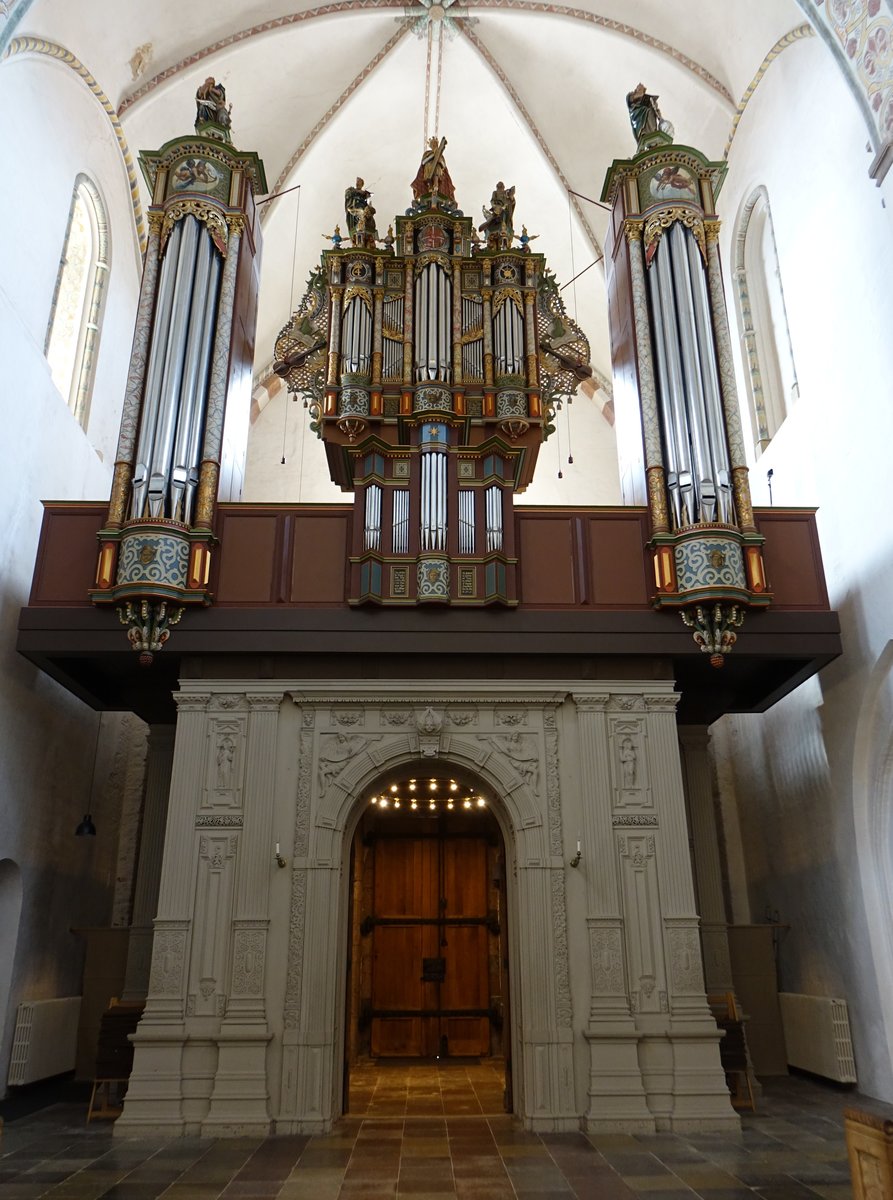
(769,368)
(72,339)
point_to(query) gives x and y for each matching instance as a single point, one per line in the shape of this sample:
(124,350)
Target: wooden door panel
(405,878)
(397,966)
(465,978)
(467,1037)
(465,877)
(418,882)
(397,1037)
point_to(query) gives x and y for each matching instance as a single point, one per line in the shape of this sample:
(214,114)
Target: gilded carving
(657,499)
(661,220)
(208,214)
(633,227)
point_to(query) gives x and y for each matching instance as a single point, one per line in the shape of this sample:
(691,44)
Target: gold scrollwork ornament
(209,215)
(660,221)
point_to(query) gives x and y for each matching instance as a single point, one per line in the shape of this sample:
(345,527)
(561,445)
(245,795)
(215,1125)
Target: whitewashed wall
(53,129)
(808,811)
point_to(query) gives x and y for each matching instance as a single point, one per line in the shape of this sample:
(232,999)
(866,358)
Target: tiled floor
(429,1090)
(792,1148)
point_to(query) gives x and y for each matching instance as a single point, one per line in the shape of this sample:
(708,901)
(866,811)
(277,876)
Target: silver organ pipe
(494,517)
(508,339)
(155,370)
(356,337)
(392,348)
(472,351)
(691,370)
(698,473)
(169,451)
(372,532)
(672,392)
(194,451)
(198,353)
(710,373)
(433,321)
(466,521)
(434,500)
(400,521)
(174,362)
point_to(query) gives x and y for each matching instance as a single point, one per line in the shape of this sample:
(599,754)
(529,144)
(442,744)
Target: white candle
(277,849)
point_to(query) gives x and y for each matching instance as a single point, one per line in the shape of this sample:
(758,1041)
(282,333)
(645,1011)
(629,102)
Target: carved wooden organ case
(432,361)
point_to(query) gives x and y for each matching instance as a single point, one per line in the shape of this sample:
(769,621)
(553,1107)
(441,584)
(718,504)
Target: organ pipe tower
(187,396)
(678,420)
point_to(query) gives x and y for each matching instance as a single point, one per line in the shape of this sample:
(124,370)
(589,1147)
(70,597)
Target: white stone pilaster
(148,872)
(616,1097)
(153,1105)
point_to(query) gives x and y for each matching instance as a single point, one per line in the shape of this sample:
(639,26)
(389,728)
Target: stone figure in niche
(629,763)
(210,103)
(226,753)
(523,753)
(644,114)
(338,752)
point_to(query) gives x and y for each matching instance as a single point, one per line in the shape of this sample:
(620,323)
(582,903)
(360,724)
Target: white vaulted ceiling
(531,92)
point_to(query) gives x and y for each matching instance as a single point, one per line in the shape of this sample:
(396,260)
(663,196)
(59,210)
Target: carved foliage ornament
(208,214)
(658,222)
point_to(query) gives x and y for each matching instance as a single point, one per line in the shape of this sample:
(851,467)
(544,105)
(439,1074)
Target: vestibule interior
(427,981)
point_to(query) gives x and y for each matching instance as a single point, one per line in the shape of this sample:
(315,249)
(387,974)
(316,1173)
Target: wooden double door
(435,946)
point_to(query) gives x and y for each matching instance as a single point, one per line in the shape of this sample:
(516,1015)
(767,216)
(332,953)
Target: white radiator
(45,1040)
(817,1035)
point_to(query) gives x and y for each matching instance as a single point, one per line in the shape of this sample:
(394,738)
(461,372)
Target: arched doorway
(427,978)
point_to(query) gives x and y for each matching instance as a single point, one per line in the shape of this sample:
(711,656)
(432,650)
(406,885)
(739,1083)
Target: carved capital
(192,701)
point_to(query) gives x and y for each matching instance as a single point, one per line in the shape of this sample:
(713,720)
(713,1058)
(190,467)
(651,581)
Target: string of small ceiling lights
(428,795)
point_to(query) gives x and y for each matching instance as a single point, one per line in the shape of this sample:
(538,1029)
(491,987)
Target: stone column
(616,1094)
(148,873)
(153,1106)
(239,1103)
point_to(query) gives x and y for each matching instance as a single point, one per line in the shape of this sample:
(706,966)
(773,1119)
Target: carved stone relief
(347,717)
(685,960)
(226,741)
(336,751)
(510,717)
(249,950)
(166,976)
(461,717)
(430,727)
(396,716)
(523,753)
(605,949)
(629,765)
(212,912)
(642,920)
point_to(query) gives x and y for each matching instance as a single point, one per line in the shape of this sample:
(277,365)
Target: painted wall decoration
(196,175)
(861,33)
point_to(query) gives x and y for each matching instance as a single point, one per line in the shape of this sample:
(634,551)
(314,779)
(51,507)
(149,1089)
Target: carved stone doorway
(427,979)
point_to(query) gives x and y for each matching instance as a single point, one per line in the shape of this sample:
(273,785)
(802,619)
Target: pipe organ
(430,361)
(193,344)
(678,421)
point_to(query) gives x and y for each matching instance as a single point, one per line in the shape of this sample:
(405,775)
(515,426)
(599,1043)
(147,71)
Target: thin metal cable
(284,431)
(427,89)
(294,248)
(570,234)
(440,49)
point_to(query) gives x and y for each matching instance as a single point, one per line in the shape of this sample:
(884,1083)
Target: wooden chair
(733,1049)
